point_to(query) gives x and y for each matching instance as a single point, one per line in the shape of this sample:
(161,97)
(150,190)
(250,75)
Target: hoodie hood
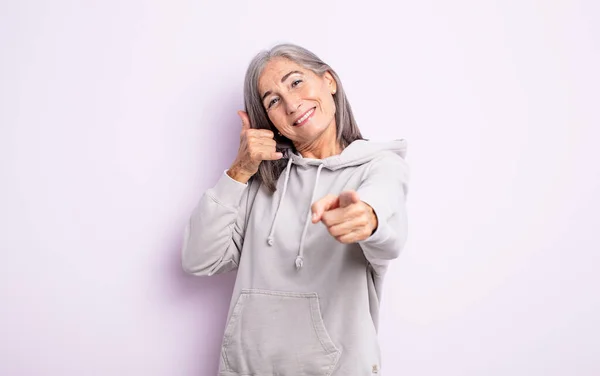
(357,153)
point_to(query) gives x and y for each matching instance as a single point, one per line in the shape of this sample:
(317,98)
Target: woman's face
(298,102)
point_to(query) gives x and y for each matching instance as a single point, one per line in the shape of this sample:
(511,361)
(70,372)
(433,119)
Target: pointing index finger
(326,203)
(348,198)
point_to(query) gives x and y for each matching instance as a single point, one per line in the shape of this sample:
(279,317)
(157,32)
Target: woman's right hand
(256,145)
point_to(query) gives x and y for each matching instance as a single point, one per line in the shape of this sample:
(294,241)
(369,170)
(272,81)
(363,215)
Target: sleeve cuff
(382,233)
(229,191)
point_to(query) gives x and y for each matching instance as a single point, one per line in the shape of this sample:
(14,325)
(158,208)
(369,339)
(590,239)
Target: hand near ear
(348,219)
(256,145)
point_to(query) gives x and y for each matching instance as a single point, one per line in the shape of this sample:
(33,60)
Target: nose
(292,103)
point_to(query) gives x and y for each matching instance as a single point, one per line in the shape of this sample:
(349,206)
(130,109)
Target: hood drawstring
(300,257)
(355,154)
(271,237)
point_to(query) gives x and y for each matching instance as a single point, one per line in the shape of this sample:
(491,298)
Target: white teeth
(304,117)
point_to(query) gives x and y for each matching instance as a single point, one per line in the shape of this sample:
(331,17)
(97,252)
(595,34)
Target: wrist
(237,173)
(374,222)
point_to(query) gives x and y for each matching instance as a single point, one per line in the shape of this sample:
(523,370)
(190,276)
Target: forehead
(274,70)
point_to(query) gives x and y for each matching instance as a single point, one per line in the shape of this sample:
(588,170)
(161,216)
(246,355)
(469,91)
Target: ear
(331,83)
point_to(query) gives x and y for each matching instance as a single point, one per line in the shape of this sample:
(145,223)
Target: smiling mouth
(304,118)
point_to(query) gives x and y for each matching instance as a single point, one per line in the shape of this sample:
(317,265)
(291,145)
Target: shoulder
(389,161)
(387,169)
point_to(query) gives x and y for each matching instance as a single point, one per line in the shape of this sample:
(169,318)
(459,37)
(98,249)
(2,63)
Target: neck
(323,146)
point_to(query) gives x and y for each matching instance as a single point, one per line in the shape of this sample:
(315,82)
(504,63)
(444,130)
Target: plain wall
(115,116)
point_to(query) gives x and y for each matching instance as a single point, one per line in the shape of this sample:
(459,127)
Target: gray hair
(347,129)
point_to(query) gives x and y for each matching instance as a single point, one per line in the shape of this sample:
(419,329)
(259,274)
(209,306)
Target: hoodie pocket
(278,333)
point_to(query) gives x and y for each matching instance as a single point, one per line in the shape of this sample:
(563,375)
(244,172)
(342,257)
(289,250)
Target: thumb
(321,206)
(245,119)
(348,198)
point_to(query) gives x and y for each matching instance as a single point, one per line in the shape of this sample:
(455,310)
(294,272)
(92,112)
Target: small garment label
(375,369)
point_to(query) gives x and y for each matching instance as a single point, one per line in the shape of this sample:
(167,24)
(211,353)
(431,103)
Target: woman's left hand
(348,219)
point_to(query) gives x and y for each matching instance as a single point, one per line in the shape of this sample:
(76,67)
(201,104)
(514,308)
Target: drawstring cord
(270,239)
(300,257)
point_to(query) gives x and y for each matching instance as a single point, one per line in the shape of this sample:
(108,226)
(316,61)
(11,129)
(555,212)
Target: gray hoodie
(303,303)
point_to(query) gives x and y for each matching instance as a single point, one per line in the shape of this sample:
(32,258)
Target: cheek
(328,105)
(325,100)
(276,118)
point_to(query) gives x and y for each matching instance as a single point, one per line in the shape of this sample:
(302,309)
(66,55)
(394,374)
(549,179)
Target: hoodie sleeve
(384,188)
(214,234)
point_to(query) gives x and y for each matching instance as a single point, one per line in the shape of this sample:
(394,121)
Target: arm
(384,189)
(214,235)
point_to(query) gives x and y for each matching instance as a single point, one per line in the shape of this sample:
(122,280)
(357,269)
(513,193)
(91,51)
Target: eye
(272,102)
(295,83)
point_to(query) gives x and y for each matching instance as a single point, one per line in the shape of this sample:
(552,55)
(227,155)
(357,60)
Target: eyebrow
(285,77)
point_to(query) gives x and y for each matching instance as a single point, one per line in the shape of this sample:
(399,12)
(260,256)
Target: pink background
(115,117)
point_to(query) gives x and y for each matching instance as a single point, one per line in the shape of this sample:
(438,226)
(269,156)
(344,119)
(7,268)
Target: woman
(311,246)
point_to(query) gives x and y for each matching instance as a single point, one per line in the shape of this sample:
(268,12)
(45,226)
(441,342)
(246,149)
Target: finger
(259,152)
(340,215)
(267,143)
(245,119)
(348,226)
(352,237)
(262,133)
(348,198)
(326,203)
(271,155)
(265,152)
